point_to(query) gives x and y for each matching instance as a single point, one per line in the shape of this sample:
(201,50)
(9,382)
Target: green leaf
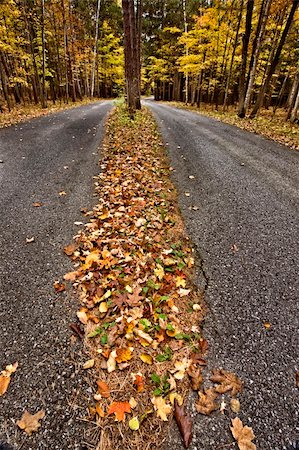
(166,356)
(169,327)
(104,339)
(95,332)
(155,379)
(157,392)
(181,336)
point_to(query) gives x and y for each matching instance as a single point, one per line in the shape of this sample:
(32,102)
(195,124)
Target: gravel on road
(238,193)
(50,160)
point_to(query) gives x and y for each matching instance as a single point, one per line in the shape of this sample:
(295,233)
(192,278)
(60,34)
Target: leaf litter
(141,311)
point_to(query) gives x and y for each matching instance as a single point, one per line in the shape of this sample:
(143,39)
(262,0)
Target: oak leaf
(161,407)
(206,403)
(195,376)
(119,409)
(227,382)
(243,434)
(30,422)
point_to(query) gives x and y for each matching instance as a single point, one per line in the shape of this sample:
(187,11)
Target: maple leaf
(180,281)
(206,403)
(103,389)
(161,407)
(70,249)
(119,409)
(138,381)
(59,287)
(227,382)
(243,434)
(123,354)
(30,422)
(159,272)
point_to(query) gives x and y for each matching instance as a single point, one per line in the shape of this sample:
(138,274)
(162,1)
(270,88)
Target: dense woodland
(222,52)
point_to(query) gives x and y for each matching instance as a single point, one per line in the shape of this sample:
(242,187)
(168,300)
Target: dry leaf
(206,403)
(30,240)
(243,435)
(103,389)
(184,422)
(5,377)
(119,409)
(196,376)
(30,423)
(59,287)
(297,379)
(70,249)
(99,410)
(235,405)
(111,362)
(123,354)
(88,364)
(138,381)
(175,396)
(133,402)
(161,407)
(37,204)
(227,382)
(62,193)
(82,316)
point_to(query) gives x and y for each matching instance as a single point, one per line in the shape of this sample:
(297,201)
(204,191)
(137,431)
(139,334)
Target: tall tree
(132,54)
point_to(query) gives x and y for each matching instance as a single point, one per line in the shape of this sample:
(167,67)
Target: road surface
(42,158)
(243,217)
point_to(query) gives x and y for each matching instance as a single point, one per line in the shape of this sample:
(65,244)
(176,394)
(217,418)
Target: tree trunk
(274,61)
(44,93)
(246,37)
(295,109)
(95,50)
(256,51)
(132,50)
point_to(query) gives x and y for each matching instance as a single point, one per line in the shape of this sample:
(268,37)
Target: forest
(220,52)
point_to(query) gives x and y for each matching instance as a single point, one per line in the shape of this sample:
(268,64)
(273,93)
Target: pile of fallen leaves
(141,312)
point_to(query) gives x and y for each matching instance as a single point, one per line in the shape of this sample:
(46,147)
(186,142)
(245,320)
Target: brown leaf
(70,249)
(103,389)
(196,377)
(59,287)
(243,435)
(76,329)
(37,204)
(184,423)
(134,298)
(206,403)
(119,409)
(4,383)
(227,382)
(297,379)
(30,423)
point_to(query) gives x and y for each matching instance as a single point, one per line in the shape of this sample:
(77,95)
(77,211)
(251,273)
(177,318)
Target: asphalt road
(42,158)
(246,230)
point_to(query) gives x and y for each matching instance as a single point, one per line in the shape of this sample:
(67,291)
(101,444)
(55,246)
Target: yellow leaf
(111,363)
(147,359)
(243,435)
(180,282)
(133,402)
(161,408)
(134,424)
(88,364)
(103,307)
(235,405)
(175,396)
(159,272)
(30,423)
(123,354)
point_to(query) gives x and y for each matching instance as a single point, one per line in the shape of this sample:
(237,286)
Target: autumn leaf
(138,381)
(243,434)
(5,377)
(147,359)
(70,249)
(227,382)
(99,410)
(30,422)
(196,376)
(119,409)
(206,403)
(180,281)
(37,204)
(235,405)
(123,354)
(297,379)
(161,407)
(82,316)
(59,287)
(134,424)
(88,364)
(184,422)
(103,389)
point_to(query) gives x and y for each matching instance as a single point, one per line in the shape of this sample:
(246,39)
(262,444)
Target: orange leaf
(123,354)
(103,389)
(119,409)
(4,382)
(139,382)
(59,287)
(99,410)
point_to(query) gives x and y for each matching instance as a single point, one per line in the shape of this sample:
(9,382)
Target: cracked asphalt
(42,158)
(241,212)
